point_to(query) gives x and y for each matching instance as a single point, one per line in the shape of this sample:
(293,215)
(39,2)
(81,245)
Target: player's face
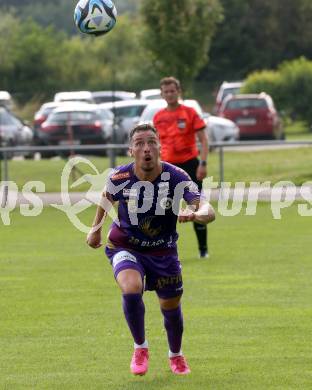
(170,93)
(145,149)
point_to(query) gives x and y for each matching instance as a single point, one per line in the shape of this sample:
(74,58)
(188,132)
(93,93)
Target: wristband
(202,163)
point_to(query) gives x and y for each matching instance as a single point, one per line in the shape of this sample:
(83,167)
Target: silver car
(13,131)
(127,114)
(221,129)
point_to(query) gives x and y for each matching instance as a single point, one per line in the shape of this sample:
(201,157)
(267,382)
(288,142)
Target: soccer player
(179,127)
(141,243)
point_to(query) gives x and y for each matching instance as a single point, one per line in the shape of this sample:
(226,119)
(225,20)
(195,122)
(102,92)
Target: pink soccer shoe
(179,365)
(139,361)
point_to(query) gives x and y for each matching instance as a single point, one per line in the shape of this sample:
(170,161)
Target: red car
(254,114)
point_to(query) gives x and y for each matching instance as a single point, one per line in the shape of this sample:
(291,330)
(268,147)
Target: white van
(150,94)
(226,88)
(77,96)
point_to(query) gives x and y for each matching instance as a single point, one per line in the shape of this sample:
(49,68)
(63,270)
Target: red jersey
(177,132)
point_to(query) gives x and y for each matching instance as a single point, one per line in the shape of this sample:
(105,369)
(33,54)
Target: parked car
(112,96)
(150,94)
(225,89)
(127,114)
(6,99)
(13,131)
(254,114)
(77,96)
(45,110)
(76,124)
(221,129)
(218,129)
(42,114)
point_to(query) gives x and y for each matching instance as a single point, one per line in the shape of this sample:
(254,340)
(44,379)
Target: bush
(268,81)
(297,88)
(290,87)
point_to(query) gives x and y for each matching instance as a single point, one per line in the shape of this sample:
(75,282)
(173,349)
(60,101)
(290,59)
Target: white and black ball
(95,17)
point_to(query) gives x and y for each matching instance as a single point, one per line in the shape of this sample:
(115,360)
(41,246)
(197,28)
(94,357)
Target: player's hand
(94,239)
(201,172)
(186,215)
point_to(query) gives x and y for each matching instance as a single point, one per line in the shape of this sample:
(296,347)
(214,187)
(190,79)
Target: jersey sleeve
(110,188)
(116,182)
(198,122)
(191,193)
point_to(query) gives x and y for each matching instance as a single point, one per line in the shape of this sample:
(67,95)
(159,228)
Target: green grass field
(273,165)
(247,309)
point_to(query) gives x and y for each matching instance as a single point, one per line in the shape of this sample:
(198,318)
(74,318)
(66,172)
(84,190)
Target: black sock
(201,233)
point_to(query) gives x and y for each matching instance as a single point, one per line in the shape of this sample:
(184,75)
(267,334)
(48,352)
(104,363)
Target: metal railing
(5,151)
(226,145)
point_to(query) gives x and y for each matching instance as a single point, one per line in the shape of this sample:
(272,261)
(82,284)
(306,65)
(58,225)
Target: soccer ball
(95,17)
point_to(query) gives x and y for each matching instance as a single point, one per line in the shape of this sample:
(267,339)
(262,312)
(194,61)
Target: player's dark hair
(170,80)
(142,127)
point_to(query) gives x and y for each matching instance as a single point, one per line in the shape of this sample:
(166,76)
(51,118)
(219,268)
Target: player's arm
(201,172)
(199,211)
(94,237)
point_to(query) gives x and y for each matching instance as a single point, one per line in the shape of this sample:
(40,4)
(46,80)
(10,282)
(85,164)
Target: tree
(37,61)
(59,13)
(290,85)
(115,60)
(29,63)
(258,34)
(7,57)
(129,6)
(124,56)
(178,34)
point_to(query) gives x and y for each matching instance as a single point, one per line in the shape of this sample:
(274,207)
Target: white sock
(174,354)
(144,345)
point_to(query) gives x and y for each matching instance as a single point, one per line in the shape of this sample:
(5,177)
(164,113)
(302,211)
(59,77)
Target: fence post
(6,178)
(221,165)
(112,157)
